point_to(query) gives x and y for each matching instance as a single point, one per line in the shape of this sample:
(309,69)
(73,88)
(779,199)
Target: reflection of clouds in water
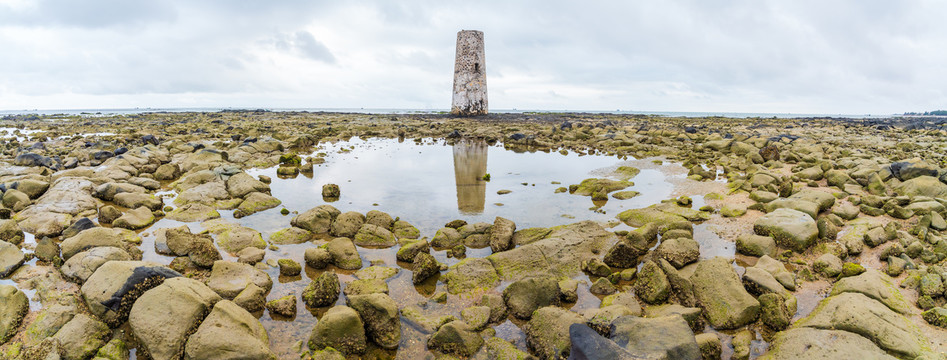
(415,182)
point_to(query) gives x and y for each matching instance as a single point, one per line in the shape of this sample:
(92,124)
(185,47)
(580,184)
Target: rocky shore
(132,237)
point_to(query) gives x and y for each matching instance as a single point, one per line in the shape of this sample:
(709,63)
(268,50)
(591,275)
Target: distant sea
(104,112)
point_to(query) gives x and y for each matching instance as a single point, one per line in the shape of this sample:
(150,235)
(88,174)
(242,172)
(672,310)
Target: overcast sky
(833,57)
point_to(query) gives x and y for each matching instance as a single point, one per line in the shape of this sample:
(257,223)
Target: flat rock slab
(859,314)
(816,344)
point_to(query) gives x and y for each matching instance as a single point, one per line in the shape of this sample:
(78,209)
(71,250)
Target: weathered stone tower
(470,75)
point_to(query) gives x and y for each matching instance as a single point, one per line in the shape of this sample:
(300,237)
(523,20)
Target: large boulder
(113,288)
(10,258)
(523,297)
(660,337)
(317,219)
(81,337)
(720,293)
(792,229)
(13,307)
(340,328)
(229,333)
(82,265)
(862,315)
(809,343)
(164,317)
(229,278)
(382,320)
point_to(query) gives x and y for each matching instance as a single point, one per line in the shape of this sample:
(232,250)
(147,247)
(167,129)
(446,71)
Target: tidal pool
(428,183)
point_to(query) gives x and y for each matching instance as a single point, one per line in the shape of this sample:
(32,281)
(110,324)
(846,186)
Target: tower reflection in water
(470,165)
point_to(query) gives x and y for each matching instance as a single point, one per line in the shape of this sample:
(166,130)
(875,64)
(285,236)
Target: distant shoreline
(382,111)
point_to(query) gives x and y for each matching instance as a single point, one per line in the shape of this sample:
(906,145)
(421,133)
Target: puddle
(16,133)
(429,183)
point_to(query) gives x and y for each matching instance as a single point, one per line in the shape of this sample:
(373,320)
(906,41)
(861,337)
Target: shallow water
(429,183)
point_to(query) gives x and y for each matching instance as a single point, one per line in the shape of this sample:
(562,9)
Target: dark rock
(77,227)
(589,345)
(32,159)
(149,139)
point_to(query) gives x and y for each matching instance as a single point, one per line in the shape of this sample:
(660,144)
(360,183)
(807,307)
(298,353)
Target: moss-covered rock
(471,274)
(523,297)
(721,295)
(13,307)
(323,290)
(790,228)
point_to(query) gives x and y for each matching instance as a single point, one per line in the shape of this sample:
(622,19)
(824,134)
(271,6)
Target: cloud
(303,43)
(803,56)
(85,14)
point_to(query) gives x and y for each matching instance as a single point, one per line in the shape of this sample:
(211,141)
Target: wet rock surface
(769,238)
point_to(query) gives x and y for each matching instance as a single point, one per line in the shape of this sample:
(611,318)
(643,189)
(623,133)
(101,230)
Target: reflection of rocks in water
(470,165)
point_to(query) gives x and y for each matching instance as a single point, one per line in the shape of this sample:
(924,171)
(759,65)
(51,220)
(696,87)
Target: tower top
(470,75)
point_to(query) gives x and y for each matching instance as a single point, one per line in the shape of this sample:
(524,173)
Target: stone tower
(470,75)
